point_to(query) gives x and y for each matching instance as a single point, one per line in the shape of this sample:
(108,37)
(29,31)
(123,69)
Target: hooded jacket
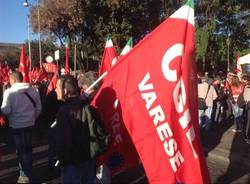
(72,135)
(18,108)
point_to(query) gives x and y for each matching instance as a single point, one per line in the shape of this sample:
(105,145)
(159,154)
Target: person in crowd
(218,102)
(227,108)
(235,89)
(246,96)
(72,145)
(84,81)
(208,78)
(245,80)
(207,92)
(21,104)
(244,102)
(51,106)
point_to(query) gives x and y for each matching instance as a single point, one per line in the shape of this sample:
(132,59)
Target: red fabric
(109,57)
(27,63)
(160,116)
(42,75)
(67,70)
(236,91)
(121,154)
(52,84)
(4,73)
(227,86)
(50,67)
(23,66)
(238,66)
(2,120)
(33,74)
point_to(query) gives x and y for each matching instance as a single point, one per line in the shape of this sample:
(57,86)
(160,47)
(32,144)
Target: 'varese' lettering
(162,127)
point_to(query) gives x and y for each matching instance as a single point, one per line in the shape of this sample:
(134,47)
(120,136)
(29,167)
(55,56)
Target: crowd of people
(28,107)
(227,98)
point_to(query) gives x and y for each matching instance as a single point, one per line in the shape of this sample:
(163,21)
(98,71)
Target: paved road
(228,155)
(228,158)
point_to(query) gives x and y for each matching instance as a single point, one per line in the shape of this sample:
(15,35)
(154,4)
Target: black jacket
(72,135)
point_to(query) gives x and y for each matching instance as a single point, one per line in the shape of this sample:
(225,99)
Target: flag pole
(98,80)
(75,61)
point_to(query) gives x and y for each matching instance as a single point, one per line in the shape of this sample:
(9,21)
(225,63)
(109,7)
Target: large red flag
(109,57)
(23,66)
(156,84)
(67,70)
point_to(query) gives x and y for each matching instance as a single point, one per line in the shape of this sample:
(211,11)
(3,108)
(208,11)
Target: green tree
(88,23)
(218,21)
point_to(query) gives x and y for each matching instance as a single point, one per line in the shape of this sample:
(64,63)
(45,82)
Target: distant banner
(50,67)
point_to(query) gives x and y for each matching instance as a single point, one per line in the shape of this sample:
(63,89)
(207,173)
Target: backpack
(98,136)
(202,104)
(202,101)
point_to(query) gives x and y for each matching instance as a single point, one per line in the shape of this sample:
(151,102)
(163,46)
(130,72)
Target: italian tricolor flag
(109,57)
(128,47)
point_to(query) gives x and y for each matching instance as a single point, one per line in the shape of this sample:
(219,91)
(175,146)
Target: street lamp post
(26,4)
(228,63)
(39,34)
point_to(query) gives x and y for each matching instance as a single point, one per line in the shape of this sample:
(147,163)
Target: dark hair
(235,81)
(70,84)
(17,75)
(61,78)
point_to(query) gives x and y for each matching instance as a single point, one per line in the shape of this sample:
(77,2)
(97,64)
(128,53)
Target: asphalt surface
(228,158)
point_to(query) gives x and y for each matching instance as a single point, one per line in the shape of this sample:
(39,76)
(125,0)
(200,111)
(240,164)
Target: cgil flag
(23,65)
(156,84)
(109,57)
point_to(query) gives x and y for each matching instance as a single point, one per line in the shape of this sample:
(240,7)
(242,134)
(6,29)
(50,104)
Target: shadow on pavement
(212,138)
(239,162)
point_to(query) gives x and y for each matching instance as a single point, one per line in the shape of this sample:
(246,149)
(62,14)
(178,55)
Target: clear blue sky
(13,21)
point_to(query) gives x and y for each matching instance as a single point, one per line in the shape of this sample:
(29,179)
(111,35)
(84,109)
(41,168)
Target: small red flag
(52,84)
(23,66)
(67,69)
(33,74)
(109,57)
(4,73)
(43,75)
